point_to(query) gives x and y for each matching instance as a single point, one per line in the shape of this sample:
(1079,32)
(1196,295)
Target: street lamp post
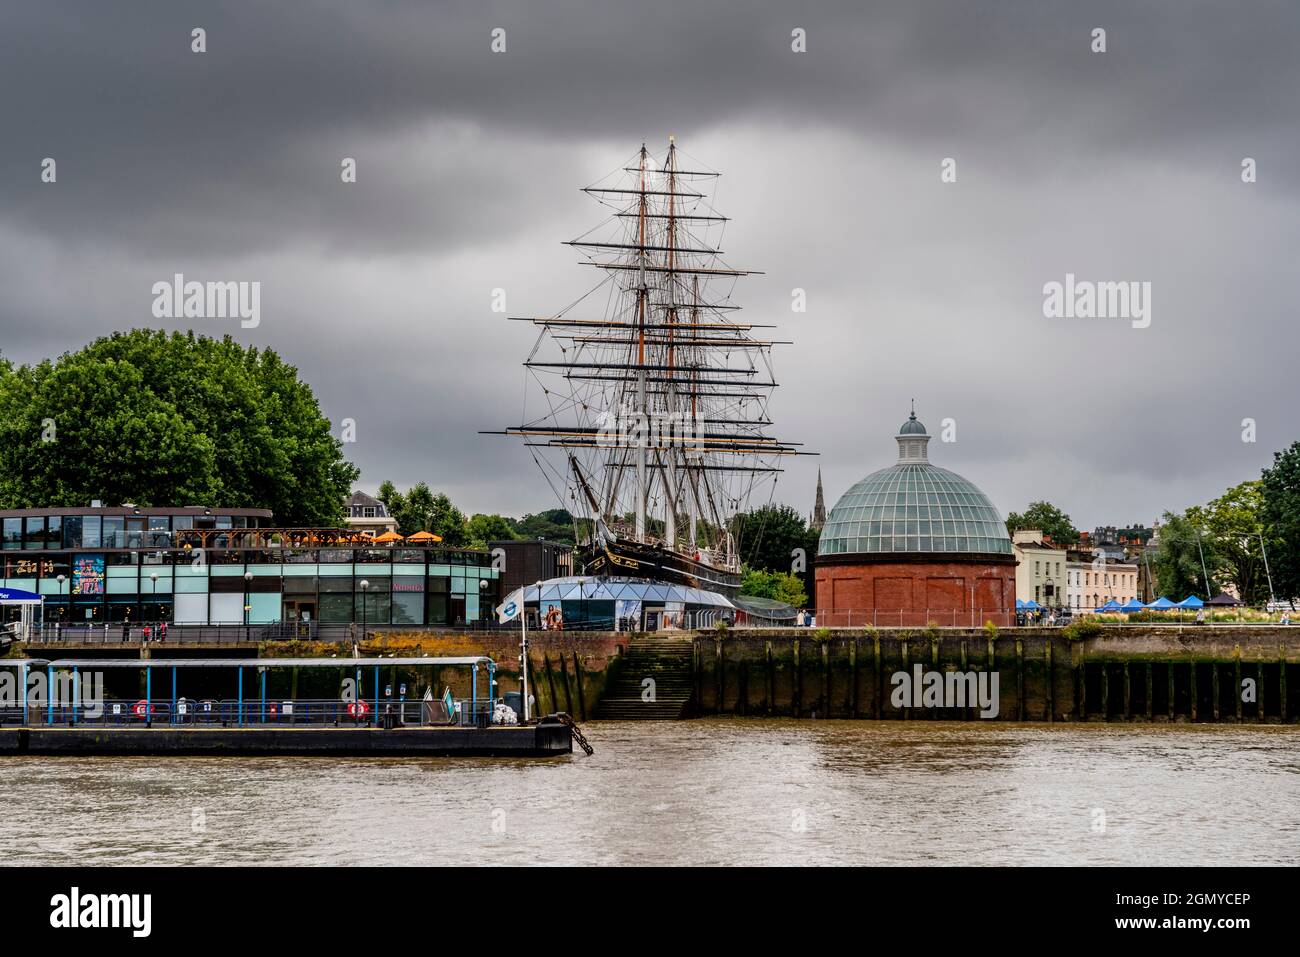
(248,605)
(365,587)
(58,626)
(1272,599)
(153,590)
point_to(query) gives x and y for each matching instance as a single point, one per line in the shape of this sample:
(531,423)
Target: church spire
(819,507)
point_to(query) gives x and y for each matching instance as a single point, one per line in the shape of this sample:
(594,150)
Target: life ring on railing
(142,708)
(358,708)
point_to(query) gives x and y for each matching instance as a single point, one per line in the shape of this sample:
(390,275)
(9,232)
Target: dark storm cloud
(1116,166)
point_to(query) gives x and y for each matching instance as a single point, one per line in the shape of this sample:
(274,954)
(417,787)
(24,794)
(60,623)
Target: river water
(713,791)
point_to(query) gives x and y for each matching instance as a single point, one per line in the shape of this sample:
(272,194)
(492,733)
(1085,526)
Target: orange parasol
(425,537)
(388,537)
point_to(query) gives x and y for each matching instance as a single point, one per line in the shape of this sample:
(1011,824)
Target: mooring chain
(577,735)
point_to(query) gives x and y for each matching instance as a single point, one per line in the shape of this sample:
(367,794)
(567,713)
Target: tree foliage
(419,509)
(1233,524)
(781,586)
(1280,514)
(489,528)
(1178,564)
(169,419)
(767,536)
(1047,518)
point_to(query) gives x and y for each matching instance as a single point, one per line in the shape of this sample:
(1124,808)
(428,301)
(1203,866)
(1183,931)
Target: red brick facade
(906,591)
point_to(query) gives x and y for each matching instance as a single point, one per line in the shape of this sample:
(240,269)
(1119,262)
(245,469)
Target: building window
(368,512)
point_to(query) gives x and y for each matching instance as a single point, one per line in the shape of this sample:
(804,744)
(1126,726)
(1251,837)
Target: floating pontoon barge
(66,720)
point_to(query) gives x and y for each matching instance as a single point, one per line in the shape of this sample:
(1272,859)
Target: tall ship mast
(653,419)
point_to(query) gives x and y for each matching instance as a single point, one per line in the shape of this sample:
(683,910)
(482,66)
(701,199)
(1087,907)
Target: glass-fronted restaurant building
(196,565)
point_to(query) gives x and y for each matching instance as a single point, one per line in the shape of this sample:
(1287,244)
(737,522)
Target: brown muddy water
(713,791)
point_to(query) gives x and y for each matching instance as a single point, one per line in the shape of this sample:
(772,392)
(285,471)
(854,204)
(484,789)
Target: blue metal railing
(230,712)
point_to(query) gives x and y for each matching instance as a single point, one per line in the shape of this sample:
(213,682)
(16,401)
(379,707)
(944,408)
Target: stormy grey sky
(1117,166)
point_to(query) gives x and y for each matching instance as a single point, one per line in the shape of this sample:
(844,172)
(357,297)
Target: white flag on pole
(509,610)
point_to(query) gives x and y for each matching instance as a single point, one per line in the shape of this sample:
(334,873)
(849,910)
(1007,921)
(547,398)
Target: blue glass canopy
(597,588)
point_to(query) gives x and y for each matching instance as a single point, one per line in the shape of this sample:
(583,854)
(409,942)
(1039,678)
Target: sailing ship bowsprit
(654,419)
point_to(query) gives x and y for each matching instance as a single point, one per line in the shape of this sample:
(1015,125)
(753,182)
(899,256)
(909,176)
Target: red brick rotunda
(915,544)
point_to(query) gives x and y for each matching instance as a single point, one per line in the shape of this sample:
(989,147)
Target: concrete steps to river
(668,663)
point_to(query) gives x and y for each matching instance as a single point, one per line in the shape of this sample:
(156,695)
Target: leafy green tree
(420,510)
(1233,524)
(767,536)
(1048,519)
(489,528)
(1280,514)
(169,419)
(1178,560)
(781,586)
(554,525)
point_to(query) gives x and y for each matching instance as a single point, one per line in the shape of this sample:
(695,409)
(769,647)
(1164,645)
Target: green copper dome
(914,507)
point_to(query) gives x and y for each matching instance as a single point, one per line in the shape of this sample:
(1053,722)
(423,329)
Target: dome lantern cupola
(912,440)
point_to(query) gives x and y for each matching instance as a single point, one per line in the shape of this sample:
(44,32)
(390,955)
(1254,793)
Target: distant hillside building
(365,513)
(914,543)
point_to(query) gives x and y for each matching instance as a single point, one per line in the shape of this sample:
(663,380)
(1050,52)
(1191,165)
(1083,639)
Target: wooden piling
(965,712)
(934,713)
(577,679)
(1051,674)
(1281,683)
(718,676)
(1105,691)
(1259,692)
(1191,687)
(1236,679)
(697,666)
(1081,684)
(877,692)
(742,700)
(1151,687)
(1020,680)
(826,679)
(568,694)
(1214,688)
(533,687)
(770,689)
(1128,695)
(853,678)
(1173,711)
(796,682)
(907,703)
(550,682)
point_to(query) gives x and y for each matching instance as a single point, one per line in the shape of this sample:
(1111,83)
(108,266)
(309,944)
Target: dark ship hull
(624,558)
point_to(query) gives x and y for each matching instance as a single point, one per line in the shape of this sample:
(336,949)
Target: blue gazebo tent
(1111,605)
(1191,601)
(1132,605)
(1161,604)
(1019,604)
(1031,605)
